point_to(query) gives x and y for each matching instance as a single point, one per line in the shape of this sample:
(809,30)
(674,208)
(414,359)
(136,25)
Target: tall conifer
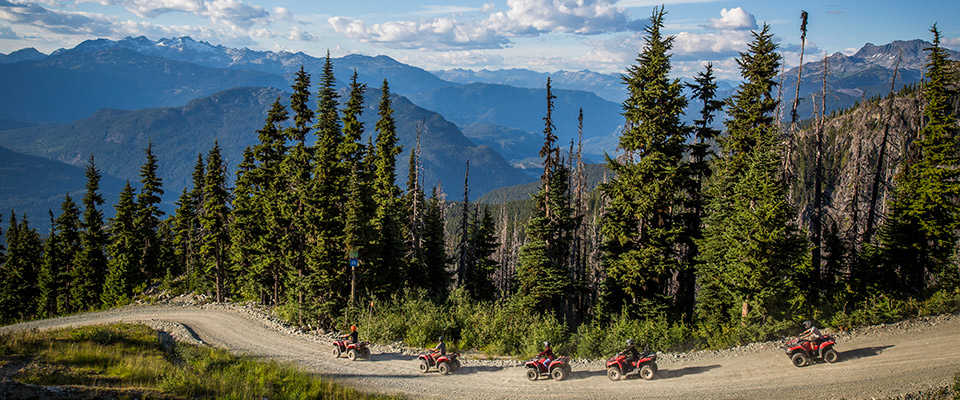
(124,250)
(90,265)
(148,220)
(214,217)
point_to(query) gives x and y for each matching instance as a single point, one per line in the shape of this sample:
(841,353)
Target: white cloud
(457,58)
(300,35)
(55,21)
(953,43)
(734,18)
(652,3)
(439,34)
(7,33)
(233,13)
(522,18)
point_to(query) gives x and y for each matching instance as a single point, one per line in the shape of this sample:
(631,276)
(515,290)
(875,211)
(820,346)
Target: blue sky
(543,35)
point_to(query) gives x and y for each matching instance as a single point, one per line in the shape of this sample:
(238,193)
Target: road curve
(883,364)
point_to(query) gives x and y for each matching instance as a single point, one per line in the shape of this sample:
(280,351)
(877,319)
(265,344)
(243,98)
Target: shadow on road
(586,374)
(863,352)
(676,373)
(478,368)
(391,357)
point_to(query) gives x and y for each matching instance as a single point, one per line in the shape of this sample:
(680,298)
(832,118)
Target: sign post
(354,262)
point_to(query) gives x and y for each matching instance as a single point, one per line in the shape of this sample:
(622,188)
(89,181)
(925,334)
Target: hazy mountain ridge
(118,138)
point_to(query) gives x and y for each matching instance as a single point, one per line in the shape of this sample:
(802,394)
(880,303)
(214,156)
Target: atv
(352,350)
(619,367)
(444,363)
(805,352)
(558,369)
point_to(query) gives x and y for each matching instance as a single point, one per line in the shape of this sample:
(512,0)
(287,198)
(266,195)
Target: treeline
(692,239)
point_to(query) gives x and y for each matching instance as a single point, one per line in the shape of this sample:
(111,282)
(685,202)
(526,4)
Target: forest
(703,235)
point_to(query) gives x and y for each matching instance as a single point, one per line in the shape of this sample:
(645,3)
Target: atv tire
(558,374)
(336,352)
(424,367)
(532,374)
(352,354)
(614,374)
(799,359)
(646,372)
(444,368)
(831,356)
(456,365)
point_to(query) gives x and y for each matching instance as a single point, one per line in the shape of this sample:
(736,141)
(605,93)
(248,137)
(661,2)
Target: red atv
(619,367)
(558,369)
(804,352)
(444,363)
(353,350)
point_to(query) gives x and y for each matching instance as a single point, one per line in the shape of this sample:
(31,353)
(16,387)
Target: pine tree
(272,183)
(68,225)
(356,230)
(214,217)
(18,286)
(148,220)
(435,257)
(296,198)
(750,253)
(415,204)
(643,221)
(246,227)
(704,90)
(124,250)
(387,220)
(463,247)
(482,243)
(921,232)
(326,273)
(542,270)
(50,279)
(90,265)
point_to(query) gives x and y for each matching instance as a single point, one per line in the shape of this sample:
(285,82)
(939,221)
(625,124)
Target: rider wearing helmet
(547,354)
(353,335)
(810,333)
(631,351)
(441,347)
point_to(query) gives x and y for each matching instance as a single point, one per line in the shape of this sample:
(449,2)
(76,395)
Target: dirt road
(879,363)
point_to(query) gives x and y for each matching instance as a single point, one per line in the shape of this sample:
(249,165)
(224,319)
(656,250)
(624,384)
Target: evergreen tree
(750,253)
(214,217)
(415,203)
(359,204)
(435,258)
(542,265)
(50,279)
(272,190)
(246,227)
(387,220)
(90,265)
(124,250)
(920,235)
(18,288)
(296,198)
(643,221)
(326,272)
(483,243)
(68,225)
(148,221)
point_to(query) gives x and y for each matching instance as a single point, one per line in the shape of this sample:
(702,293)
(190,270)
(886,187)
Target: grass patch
(129,357)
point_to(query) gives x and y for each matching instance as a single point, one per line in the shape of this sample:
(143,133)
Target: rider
(631,351)
(440,350)
(353,335)
(547,354)
(810,333)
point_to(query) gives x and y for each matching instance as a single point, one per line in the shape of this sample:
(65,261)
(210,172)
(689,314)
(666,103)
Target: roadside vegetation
(128,360)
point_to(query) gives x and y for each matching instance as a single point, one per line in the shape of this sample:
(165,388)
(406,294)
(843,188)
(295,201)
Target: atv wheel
(646,372)
(444,368)
(532,374)
(336,352)
(799,359)
(614,374)
(831,356)
(559,373)
(456,365)
(424,367)
(352,354)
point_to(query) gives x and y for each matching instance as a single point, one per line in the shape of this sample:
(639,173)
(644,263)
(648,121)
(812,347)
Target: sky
(542,35)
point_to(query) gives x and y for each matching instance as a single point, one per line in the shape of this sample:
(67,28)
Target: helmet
(440,338)
(353,328)
(546,344)
(807,324)
(629,342)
